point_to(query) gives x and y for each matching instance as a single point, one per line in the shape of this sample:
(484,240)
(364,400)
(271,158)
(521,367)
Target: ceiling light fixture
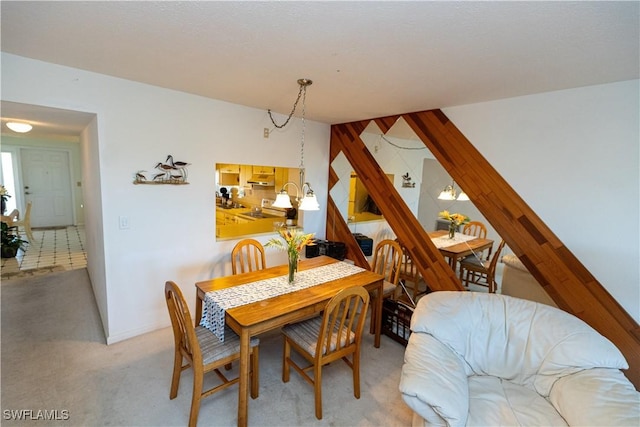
(309,201)
(19,127)
(450,193)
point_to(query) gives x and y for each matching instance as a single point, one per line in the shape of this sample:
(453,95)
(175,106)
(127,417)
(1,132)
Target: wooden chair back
(387,260)
(475,228)
(342,324)
(247,255)
(25,222)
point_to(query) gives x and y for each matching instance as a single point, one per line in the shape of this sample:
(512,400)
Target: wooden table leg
(243,396)
(198,310)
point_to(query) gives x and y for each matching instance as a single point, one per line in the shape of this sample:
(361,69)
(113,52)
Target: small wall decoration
(170,172)
(406,181)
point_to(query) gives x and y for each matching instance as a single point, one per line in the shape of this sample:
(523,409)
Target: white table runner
(216,302)
(444,241)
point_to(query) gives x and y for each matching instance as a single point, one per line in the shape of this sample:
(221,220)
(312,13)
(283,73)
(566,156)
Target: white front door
(47,184)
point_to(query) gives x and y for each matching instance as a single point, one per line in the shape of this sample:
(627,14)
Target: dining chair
(474,270)
(478,229)
(410,277)
(321,340)
(387,258)
(203,352)
(25,222)
(247,255)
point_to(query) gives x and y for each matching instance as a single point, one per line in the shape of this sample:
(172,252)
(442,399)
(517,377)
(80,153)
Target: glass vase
(293,266)
(452,230)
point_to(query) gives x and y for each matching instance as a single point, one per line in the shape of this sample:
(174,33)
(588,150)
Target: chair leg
(197,395)
(285,361)
(255,374)
(355,366)
(317,385)
(175,377)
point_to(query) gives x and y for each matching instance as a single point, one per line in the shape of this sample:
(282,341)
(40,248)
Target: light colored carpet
(54,357)
(32,272)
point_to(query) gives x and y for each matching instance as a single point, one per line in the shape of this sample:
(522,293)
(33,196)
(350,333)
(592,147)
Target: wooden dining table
(460,250)
(273,313)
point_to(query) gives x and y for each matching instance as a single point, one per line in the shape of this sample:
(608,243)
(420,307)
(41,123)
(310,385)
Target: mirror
(244,195)
(415,173)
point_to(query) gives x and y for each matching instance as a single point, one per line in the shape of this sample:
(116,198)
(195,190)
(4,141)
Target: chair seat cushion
(306,333)
(213,349)
(473,262)
(495,401)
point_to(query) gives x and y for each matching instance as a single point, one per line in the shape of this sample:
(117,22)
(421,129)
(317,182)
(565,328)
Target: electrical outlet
(266,132)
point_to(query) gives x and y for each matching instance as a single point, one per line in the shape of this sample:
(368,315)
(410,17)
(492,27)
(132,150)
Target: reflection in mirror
(244,195)
(361,206)
(416,174)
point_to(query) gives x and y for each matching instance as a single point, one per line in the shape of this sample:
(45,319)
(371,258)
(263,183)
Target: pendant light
(309,201)
(450,193)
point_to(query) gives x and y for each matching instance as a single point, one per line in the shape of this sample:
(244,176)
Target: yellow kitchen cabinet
(229,174)
(263,170)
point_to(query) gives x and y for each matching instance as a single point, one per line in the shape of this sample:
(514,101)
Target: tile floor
(60,247)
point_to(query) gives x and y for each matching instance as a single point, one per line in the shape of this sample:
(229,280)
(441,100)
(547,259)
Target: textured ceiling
(367,59)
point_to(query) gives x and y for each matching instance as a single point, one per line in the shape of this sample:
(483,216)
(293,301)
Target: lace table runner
(216,302)
(444,241)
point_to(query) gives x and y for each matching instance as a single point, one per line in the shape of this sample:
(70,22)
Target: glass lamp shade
(309,203)
(19,127)
(463,197)
(282,201)
(447,194)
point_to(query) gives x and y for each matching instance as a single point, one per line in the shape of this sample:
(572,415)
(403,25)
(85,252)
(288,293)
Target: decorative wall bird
(165,168)
(181,166)
(140,176)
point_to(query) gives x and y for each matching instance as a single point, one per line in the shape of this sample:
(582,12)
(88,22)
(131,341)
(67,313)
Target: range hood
(264,180)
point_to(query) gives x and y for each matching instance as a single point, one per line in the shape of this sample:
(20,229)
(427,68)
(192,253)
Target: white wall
(171,234)
(573,156)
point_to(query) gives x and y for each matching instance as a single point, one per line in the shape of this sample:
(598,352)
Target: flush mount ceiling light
(309,201)
(19,127)
(450,193)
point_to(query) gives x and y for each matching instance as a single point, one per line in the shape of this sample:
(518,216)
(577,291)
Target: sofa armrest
(433,381)
(597,397)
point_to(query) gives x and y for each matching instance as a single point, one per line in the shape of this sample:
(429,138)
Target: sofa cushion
(597,397)
(514,262)
(521,341)
(497,402)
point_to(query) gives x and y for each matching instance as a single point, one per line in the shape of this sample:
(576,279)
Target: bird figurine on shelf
(140,176)
(181,166)
(165,168)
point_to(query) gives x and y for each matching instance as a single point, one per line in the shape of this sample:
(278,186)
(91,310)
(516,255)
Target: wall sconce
(450,193)
(308,203)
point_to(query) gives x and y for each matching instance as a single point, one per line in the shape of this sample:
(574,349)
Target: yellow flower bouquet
(293,241)
(455,220)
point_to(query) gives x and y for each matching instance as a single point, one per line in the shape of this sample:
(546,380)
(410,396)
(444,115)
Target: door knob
(26,192)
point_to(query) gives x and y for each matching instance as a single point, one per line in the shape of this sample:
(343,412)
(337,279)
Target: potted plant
(11,241)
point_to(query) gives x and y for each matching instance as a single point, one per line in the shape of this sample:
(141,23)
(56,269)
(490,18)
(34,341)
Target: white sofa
(480,359)
(518,282)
